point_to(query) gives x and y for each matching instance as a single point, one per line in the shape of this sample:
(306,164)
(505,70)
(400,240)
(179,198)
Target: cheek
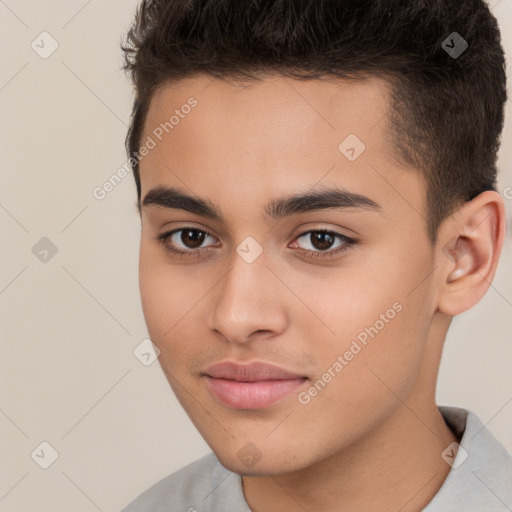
(152,285)
(161,302)
(379,366)
(171,299)
(376,320)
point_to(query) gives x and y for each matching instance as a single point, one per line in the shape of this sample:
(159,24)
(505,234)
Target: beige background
(69,326)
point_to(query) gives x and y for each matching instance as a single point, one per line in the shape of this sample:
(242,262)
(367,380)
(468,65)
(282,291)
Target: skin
(372,438)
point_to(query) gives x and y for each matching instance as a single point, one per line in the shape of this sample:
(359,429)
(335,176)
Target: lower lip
(251,395)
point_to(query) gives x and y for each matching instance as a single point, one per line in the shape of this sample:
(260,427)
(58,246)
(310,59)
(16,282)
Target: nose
(247,303)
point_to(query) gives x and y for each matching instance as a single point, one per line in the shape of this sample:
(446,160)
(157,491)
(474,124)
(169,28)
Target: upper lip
(249,372)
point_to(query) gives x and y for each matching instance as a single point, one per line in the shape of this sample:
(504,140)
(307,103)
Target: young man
(316,182)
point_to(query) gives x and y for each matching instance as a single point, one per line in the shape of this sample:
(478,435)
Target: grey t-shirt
(480,479)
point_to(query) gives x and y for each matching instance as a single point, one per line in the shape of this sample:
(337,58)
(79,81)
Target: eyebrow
(323,199)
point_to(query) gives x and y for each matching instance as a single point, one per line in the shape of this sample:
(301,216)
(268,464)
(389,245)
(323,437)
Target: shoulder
(182,489)
(481,474)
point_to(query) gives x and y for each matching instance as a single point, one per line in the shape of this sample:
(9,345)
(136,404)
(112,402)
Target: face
(330,289)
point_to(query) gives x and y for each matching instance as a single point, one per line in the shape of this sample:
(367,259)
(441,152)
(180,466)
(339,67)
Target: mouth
(250,386)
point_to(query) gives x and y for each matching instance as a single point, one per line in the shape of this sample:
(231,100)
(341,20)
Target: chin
(262,464)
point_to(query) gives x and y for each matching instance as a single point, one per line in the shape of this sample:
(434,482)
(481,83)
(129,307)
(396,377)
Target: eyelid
(335,234)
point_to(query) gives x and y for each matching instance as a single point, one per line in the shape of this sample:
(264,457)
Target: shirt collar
(481,475)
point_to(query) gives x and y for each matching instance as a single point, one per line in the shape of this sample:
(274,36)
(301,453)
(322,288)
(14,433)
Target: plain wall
(68,375)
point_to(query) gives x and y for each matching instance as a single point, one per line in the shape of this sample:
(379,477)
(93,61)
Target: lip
(249,372)
(255,385)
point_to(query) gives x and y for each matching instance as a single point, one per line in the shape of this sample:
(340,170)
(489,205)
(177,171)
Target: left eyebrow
(326,198)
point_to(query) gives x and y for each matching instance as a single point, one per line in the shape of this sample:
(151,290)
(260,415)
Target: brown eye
(186,241)
(321,240)
(192,238)
(322,244)
(190,242)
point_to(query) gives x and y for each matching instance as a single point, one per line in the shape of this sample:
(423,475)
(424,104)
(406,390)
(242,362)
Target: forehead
(327,104)
(264,138)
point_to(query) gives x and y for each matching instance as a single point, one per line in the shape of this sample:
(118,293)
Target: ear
(468,252)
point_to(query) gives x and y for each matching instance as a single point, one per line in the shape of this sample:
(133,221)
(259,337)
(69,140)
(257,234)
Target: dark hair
(446,109)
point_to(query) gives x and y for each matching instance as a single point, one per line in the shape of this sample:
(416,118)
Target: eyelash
(193,253)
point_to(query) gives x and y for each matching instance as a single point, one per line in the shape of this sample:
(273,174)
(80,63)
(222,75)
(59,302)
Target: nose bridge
(243,287)
(245,301)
